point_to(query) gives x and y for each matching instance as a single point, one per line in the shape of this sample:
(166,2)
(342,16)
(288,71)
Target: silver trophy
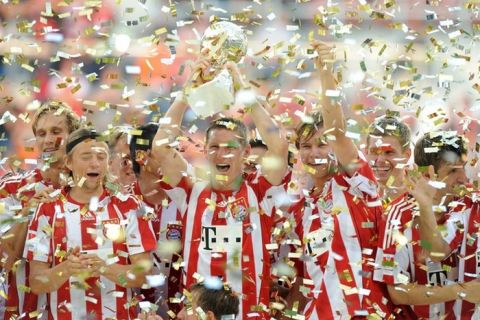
(226,42)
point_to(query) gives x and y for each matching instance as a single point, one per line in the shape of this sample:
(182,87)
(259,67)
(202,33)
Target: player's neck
(149,186)
(392,192)
(319,184)
(83,195)
(224,186)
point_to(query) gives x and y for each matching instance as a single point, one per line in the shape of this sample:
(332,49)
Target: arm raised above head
(172,164)
(343,147)
(275,160)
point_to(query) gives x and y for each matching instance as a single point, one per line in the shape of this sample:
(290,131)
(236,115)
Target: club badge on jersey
(174,231)
(109,226)
(238,209)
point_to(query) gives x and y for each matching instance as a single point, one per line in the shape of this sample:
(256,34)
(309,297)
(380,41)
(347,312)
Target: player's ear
(247,151)
(67,160)
(140,157)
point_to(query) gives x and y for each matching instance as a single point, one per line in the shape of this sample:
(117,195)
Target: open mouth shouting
(93,174)
(382,170)
(222,167)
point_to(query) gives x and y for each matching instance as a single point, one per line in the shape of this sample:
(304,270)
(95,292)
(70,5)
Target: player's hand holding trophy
(222,41)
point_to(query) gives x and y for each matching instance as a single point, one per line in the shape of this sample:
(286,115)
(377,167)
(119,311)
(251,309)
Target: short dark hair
(229,124)
(222,301)
(445,142)
(143,141)
(306,129)
(390,126)
(257,143)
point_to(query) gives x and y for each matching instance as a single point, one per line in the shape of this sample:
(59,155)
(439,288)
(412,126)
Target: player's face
(51,134)
(316,155)
(121,164)
(454,177)
(225,155)
(386,156)
(254,158)
(89,164)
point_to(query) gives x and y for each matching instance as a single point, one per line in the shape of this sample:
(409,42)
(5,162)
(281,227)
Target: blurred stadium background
(119,61)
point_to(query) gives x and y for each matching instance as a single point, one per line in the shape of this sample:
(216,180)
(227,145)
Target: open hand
(422,187)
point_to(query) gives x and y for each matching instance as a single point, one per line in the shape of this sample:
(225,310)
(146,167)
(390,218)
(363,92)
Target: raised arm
(430,236)
(275,161)
(415,294)
(333,118)
(171,162)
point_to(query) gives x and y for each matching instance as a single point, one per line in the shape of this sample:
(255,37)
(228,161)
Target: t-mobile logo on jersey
(478,262)
(222,238)
(437,278)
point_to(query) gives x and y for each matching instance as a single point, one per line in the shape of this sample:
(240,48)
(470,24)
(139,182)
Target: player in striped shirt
(164,216)
(120,161)
(463,226)
(227,217)
(403,264)
(337,220)
(445,153)
(51,124)
(388,152)
(88,248)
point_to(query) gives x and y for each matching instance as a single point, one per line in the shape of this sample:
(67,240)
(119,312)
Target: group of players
(371,237)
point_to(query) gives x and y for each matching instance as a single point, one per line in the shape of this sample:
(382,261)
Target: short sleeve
(9,206)
(392,259)
(392,266)
(454,229)
(180,193)
(139,234)
(269,196)
(39,236)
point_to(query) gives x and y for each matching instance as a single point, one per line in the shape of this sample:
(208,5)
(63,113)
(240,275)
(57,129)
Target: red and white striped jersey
(338,231)
(463,227)
(15,191)
(401,258)
(225,234)
(62,225)
(167,225)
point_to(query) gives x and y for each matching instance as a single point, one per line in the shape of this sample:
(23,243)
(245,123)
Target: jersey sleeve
(269,196)
(362,183)
(454,229)
(9,207)
(392,259)
(392,266)
(179,194)
(39,236)
(139,233)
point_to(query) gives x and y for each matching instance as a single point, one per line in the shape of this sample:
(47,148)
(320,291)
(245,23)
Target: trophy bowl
(226,42)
